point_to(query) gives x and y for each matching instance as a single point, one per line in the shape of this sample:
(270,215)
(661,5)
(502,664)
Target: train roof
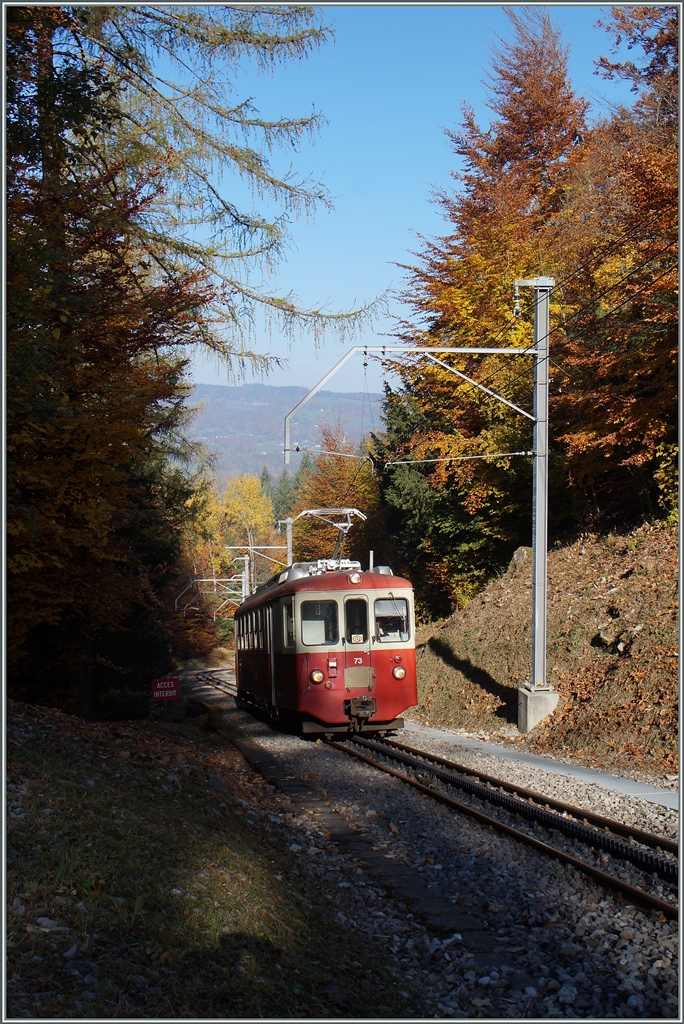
(325,574)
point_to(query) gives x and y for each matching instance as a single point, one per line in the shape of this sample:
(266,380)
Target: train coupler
(360,709)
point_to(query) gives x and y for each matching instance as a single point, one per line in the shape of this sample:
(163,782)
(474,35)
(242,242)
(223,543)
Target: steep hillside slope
(612,654)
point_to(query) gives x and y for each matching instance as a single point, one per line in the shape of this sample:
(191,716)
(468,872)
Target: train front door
(359,676)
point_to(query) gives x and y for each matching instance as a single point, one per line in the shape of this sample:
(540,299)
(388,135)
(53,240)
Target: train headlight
(398,672)
(354,577)
(316,676)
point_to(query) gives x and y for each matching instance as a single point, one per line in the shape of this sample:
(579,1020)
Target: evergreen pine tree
(267,485)
(284,495)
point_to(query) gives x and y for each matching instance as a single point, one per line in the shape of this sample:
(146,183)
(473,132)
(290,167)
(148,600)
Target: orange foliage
(542,192)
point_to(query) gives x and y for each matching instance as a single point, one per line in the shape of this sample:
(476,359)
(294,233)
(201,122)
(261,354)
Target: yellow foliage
(246,507)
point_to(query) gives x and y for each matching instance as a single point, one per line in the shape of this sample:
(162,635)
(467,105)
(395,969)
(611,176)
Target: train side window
(266,644)
(356,620)
(288,623)
(391,619)
(319,623)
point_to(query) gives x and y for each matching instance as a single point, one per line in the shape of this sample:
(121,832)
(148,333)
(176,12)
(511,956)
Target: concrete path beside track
(665,797)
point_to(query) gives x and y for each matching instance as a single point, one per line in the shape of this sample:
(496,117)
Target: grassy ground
(612,654)
(145,879)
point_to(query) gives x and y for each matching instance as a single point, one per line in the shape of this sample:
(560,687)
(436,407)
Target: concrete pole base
(534,706)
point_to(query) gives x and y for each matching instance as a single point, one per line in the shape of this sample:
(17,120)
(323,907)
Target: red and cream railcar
(330,646)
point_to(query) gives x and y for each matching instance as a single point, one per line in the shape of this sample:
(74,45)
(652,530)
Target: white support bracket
(383,350)
(482,388)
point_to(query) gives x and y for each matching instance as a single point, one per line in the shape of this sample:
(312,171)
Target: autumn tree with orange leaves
(615,409)
(97,497)
(543,191)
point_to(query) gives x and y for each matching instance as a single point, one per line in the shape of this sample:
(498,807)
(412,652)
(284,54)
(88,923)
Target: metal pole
(288,533)
(336,367)
(245,579)
(540,478)
(547,700)
(288,528)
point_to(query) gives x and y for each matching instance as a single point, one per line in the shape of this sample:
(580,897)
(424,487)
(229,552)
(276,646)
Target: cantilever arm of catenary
(483,388)
(384,350)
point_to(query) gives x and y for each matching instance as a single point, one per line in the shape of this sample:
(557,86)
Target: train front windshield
(319,623)
(391,619)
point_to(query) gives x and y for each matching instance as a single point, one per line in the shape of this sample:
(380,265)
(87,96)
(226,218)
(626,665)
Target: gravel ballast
(561,946)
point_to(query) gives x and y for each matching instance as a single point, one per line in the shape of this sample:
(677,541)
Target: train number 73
(358,661)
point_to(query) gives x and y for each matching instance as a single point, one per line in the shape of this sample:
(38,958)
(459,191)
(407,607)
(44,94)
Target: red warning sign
(165,689)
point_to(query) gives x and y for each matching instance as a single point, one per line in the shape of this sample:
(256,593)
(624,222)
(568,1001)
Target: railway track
(602,834)
(211,676)
(658,843)
(644,850)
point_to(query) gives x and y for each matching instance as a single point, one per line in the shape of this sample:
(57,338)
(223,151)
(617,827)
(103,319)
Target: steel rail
(607,880)
(218,683)
(227,688)
(578,813)
(206,676)
(644,859)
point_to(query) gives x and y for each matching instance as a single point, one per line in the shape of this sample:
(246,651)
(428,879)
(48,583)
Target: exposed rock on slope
(612,654)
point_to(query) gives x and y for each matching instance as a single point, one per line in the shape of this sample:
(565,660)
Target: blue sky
(393,78)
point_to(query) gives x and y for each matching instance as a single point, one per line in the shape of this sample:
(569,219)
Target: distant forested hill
(243,425)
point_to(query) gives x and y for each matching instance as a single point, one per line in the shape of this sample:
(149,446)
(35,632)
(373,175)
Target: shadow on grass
(187,908)
(479,677)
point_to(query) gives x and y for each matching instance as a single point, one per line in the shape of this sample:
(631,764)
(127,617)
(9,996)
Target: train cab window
(356,620)
(288,624)
(391,619)
(319,623)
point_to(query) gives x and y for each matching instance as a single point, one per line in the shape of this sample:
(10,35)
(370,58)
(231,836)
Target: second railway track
(456,776)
